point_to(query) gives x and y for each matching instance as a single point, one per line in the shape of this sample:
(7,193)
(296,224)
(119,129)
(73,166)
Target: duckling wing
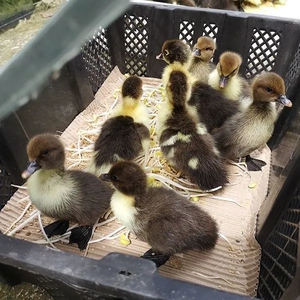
(90,198)
(212,107)
(176,225)
(196,157)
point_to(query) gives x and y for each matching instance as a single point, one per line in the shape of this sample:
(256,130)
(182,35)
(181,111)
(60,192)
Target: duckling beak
(197,52)
(32,167)
(159,56)
(105,177)
(284,101)
(223,81)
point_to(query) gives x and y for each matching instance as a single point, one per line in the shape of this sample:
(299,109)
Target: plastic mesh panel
(136,44)
(263,51)
(97,59)
(279,256)
(294,70)
(6,190)
(211,30)
(187,31)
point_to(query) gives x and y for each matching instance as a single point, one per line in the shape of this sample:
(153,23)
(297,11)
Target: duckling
(205,103)
(66,195)
(226,79)
(126,133)
(203,51)
(167,221)
(183,140)
(217,4)
(178,2)
(252,128)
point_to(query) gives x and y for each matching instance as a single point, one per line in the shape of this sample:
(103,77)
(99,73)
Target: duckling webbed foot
(158,258)
(81,236)
(254,164)
(56,228)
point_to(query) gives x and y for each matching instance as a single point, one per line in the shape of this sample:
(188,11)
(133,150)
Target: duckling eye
(166,52)
(113,177)
(46,152)
(207,48)
(269,90)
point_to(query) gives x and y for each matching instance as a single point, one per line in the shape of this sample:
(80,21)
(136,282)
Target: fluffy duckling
(66,195)
(217,4)
(226,79)
(126,133)
(185,143)
(178,2)
(252,128)
(205,103)
(203,51)
(167,221)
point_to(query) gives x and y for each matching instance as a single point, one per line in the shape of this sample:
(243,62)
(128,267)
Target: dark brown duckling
(217,4)
(167,221)
(203,52)
(65,195)
(185,143)
(178,2)
(209,105)
(252,128)
(226,79)
(125,134)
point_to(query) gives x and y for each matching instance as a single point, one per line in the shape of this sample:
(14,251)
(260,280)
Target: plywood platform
(232,266)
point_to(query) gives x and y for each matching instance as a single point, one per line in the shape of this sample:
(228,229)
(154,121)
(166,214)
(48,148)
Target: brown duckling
(178,2)
(184,141)
(125,134)
(203,52)
(217,4)
(65,195)
(225,78)
(209,105)
(252,128)
(167,221)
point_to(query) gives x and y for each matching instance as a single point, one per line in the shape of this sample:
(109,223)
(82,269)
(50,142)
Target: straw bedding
(234,263)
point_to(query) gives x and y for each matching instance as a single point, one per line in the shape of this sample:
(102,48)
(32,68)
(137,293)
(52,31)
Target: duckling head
(270,87)
(228,66)
(44,151)
(175,51)
(132,87)
(204,48)
(128,178)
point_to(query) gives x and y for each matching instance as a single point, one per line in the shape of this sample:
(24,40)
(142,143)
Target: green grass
(10,7)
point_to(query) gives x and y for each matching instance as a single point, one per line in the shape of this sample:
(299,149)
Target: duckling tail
(210,174)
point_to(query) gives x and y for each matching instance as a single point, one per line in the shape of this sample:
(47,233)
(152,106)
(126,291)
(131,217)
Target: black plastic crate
(131,43)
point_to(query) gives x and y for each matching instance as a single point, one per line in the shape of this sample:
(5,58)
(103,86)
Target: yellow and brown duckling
(225,78)
(65,195)
(184,141)
(167,221)
(203,52)
(252,128)
(125,135)
(207,104)
(217,4)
